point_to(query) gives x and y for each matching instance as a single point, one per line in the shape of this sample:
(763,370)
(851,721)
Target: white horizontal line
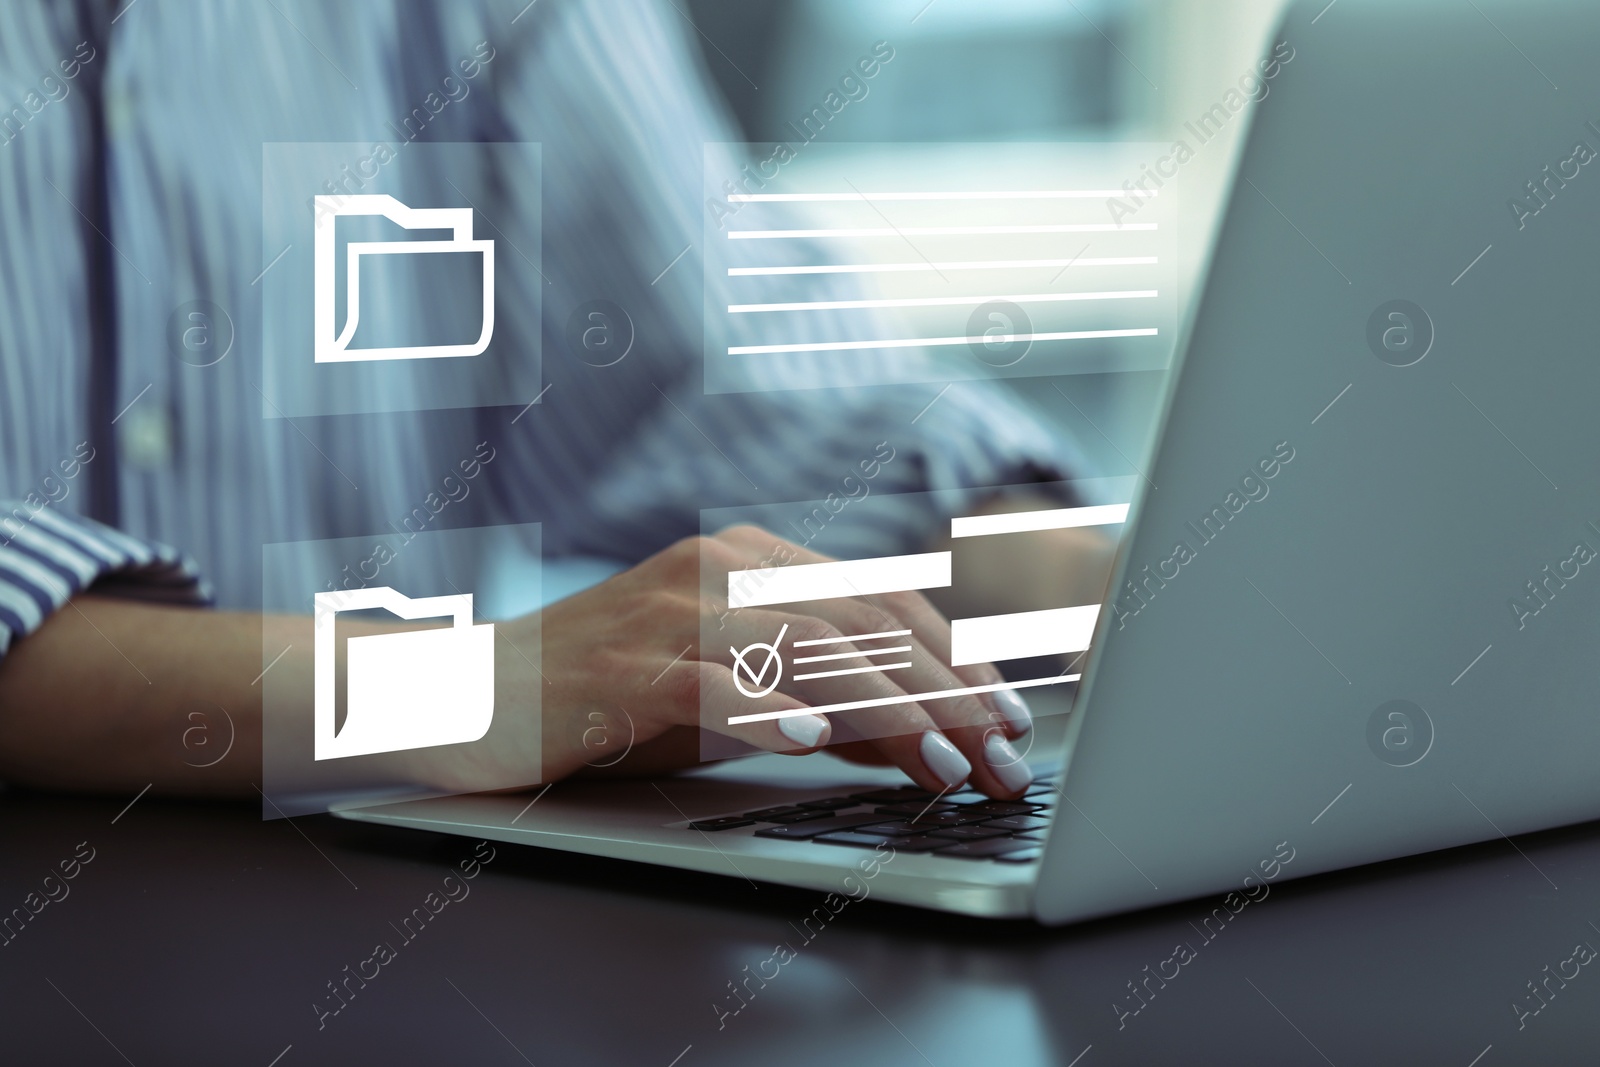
(930,342)
(1049,519)
(1000,194)
(1021,635)
(965,264)
(909,698)
(851,670)
(758,586)
(850,637)
(937,231)
(941,301)
(853,654)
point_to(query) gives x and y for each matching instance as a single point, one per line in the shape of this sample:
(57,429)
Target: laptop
(1356,609)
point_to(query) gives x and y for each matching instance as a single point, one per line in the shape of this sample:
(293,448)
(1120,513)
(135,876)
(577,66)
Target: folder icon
(332,344)
(407,690)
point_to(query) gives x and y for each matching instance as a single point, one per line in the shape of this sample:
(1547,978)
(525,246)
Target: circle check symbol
(773,661)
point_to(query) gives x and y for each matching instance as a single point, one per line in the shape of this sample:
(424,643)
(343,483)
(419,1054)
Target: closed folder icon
(415,689)
(332,343)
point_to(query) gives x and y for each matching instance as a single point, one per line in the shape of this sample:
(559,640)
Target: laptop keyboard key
(851,838)
(938,819)
(799,815)
(1000,808)
(920,843)
(1018,822)
(910,827)
(767,814)
(898,795)
(727,822)
(804,831)
(971,832)
(898,828)
(830,803)
(913,810)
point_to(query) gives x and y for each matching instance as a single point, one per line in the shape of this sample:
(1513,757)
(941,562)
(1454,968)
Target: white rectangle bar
(940,301)
(1024,634)
(1026,521)
(942,231)
(851,670)
(909,698)
(843,578)
(962,264)
(935,342)
(999,194)
(852,654)
(850,637)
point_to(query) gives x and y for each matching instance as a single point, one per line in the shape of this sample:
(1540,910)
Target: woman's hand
(630,650)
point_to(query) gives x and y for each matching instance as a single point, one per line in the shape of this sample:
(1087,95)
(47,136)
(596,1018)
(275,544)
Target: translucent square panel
(812,621)
(399,277)
(388,675)
(843,264)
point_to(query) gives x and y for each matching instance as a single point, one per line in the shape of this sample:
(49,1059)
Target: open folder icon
(405,690)
(332,343)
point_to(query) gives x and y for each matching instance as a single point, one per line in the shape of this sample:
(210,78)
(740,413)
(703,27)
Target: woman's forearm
(113,695)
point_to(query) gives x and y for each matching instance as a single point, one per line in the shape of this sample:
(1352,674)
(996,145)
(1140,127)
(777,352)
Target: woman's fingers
(786,724)
(940,742)
(778,722)
(983,726)
(851,689)
(933,630)
(972,725)
(894,611)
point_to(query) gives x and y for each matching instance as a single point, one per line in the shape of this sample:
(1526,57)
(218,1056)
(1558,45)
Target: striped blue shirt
(131,143)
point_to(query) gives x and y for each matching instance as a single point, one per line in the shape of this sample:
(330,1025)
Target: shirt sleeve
(48,556)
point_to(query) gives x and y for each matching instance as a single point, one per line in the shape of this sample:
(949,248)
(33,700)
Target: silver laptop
(1357,608)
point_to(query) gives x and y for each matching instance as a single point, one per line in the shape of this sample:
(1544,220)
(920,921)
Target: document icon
(407,690)
(332,343)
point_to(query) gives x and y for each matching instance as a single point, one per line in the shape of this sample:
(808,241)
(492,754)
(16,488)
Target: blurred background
(1050,70)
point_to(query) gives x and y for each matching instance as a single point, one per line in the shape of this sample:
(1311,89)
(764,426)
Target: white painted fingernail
(1015,709)
(941,757)
(1006,762)
(804,730)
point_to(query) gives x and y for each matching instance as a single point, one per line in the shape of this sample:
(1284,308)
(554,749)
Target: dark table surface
(201,934)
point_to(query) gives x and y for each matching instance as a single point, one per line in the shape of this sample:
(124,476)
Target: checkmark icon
(772,661)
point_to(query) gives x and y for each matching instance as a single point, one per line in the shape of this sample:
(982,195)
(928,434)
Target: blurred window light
(963,70)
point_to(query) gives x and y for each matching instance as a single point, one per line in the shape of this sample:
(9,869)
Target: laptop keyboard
(961,825)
